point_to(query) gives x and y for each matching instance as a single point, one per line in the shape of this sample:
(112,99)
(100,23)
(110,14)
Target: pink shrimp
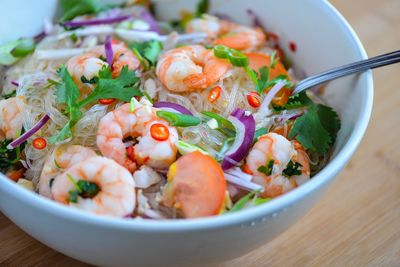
(10,118)
(122,123)
(268,160)
(188,68)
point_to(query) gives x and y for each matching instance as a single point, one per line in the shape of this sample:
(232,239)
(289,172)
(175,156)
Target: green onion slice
(178,119)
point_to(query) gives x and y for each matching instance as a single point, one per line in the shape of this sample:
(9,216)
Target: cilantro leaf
(149,51)
(293,168)
(263,80)
(122,88)
(73,8)
(66,92)
(310,132)
(295,101)
(267,168)
(330,121)
(62,135)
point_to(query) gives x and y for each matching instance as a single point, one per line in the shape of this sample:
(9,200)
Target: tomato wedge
(196,185)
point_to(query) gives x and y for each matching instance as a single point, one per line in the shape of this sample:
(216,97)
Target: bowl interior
(323,40)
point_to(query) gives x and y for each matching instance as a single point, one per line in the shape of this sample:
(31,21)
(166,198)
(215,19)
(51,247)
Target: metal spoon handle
(359,66)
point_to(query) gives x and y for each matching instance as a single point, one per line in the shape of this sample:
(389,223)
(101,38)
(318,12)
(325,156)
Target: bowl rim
(324,176)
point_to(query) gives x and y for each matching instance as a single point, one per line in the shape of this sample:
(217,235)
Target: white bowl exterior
(324,40)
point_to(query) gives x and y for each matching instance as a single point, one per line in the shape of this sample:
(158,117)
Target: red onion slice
(79,23)
(270,95)
(173,106)
(256,22)
(250,186)
(15,83)
(109,51)
(147,17)
(29,133)
(245,129)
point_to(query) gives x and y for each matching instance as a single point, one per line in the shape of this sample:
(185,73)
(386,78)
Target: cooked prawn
(280,152)
(122,123)
(89,64)
(189,68)
(61,159)
(115,194)
(228,33)
(10,118)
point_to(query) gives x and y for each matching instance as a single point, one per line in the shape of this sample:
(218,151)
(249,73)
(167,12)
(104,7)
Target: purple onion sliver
(73,24)
(255,19)
(174,106)
(223,16)
(295,116)
(245,129)
(109,50)
(29,133)
(147,17)
(15,83)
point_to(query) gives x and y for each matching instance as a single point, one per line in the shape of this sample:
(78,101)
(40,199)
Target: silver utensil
(359,66)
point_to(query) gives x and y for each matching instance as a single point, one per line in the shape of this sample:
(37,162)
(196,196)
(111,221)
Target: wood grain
(357,222)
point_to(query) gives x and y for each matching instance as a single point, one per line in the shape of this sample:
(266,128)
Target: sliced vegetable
(159,132)
(89,22)
(12,51)
(109,50)
(186,148)
(267,168)
(214,94)
(39,143)
(8,157)
(270,95)
(106,101)
(224,125)
(249,200)
(172,106)
(202,8)
(147,17)
(24,47)
(178,119)
(245,129)
(253,99)
(293,168)
(18,141)
(202,193)
(241,183)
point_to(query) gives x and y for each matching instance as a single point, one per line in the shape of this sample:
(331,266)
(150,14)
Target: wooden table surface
(357,223)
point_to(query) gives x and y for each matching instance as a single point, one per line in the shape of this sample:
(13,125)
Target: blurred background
(357,222)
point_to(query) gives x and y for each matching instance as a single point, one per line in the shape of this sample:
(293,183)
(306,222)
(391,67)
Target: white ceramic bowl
(324,39)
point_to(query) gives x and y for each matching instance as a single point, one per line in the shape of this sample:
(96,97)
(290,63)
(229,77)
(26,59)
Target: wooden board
(357,223)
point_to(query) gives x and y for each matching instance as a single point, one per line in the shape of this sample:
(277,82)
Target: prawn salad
(114,113)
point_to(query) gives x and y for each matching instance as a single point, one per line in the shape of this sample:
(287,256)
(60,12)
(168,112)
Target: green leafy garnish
(74,8)
(317,128)
(9,157)
(293,168)
(267,168)
(123,88)
(84,189)
(249,200)
(10,52)
(295,101)
(9,95)
(147,52)
(94,80)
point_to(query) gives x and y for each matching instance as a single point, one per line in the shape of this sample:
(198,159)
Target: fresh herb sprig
(317,128)
(84,189)
(123,88)
(147,52)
